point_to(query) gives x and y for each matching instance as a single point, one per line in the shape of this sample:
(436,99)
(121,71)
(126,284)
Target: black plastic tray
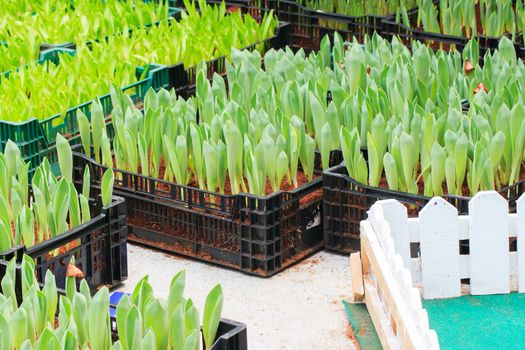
(256,235)
(346,202)
(100,249)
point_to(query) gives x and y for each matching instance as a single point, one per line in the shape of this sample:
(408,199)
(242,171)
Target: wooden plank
(520,231)
(379,317)
(405,324)
(356,274)
(396,216)
(489,244)
(439,233)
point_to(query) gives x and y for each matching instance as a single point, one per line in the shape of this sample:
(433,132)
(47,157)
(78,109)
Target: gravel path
(299,308)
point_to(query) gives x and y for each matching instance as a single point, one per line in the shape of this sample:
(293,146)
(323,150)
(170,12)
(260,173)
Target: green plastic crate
(36,138)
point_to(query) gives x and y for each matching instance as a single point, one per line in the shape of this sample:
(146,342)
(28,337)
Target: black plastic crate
(346,202)
(231,335)
(256,235)
(184,80)
(99,247)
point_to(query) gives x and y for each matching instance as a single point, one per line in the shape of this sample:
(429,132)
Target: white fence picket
(396,215)
(439,243)
(489,244)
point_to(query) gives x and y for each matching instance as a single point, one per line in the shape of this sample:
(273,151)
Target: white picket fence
(390,296)
(490,265)
(392,278)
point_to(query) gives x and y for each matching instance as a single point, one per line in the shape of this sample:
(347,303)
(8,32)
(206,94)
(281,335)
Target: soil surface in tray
(165,190)
(478,322)
(285,185)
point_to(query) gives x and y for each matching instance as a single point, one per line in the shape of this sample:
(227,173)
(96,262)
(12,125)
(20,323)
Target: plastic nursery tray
(36,138)
(99,247)
(346,202)
(184,80)
(256,235)
(437,40)
(231,335)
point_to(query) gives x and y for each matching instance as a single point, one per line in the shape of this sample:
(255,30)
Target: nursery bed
(478,322)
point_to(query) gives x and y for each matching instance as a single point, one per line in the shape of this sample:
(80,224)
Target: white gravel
(299,308)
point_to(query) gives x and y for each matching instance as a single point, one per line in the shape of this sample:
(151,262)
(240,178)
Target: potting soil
(478,322)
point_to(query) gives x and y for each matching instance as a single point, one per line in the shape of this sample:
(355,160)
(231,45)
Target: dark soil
(285,185)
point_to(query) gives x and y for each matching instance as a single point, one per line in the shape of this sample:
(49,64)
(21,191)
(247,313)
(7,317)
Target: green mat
(479,322)
(364,329)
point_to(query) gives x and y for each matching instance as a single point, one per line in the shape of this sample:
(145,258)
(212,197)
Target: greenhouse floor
(300,308)
(478,322)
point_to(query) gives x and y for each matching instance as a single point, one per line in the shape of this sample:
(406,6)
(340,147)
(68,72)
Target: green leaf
(107,187)
(69,341)
(6,338)
(149,341)
(51,293)
(325,145)
(84,206)
(86,182)
(212,315)
(19,327)
(176,291)
(437,156)
(156,319)
(99,327)
(123,308)
(192,340)
(177,328)
(85,132)
(392,176)
(97,127)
